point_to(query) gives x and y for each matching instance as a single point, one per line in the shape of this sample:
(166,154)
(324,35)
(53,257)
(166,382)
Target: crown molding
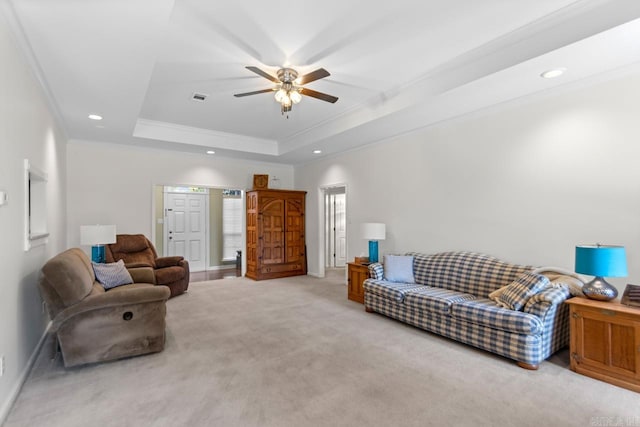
(24,46)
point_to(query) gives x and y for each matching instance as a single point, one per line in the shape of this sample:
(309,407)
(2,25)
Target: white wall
(525,183)
(113,184)
(27,130)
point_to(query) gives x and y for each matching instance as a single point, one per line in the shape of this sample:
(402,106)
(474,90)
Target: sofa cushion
(439,300)
(112,274)
(475,273)
(485,312)
(398,268)
(391,290)
(516,295)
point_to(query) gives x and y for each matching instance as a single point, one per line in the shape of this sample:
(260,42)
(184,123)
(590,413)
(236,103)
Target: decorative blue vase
(373,251)
(97,254)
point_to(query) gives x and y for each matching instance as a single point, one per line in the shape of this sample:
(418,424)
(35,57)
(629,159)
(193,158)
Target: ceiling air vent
(200,97)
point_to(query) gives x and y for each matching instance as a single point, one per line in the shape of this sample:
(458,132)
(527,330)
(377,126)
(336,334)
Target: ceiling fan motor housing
(287,75)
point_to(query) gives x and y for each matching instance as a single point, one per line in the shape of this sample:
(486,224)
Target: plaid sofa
(450,297)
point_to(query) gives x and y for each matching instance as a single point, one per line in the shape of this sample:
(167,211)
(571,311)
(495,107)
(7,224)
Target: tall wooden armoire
(275,234)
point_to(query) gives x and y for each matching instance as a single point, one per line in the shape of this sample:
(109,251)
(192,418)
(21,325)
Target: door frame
(243,218)
(323,190)
(331,245)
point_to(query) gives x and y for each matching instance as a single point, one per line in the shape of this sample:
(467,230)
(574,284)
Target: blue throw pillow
(112,275)
(399,268)
(516,295)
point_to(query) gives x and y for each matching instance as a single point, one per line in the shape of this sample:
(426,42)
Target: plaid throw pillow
(112,275)
(518,292)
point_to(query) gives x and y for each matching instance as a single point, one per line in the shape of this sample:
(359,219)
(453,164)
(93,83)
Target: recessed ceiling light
(556,72)
(211,152)
(95,117)
(317,151)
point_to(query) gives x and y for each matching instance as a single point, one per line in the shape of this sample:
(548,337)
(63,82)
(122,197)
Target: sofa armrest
(168,261)
(142,274)
(376,271)
(122,298)
(549,306)
(540,302)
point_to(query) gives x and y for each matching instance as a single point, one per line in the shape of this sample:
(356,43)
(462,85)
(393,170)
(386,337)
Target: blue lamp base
(97,254)
(373,251)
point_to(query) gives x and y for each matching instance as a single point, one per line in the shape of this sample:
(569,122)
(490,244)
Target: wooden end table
(605,341)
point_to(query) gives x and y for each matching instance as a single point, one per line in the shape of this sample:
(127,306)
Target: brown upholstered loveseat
(137,251)
(94,325)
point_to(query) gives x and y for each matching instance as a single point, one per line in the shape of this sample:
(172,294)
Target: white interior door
(186,228)
(336,226)
(340,225)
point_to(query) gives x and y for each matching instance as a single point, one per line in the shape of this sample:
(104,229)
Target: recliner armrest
(142,274)
(138,264)
(121,298)
(168,261)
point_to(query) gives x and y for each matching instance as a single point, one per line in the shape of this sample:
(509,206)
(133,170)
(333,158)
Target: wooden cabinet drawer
(280,268)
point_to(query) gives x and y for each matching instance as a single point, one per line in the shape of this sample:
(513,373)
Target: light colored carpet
(296,352)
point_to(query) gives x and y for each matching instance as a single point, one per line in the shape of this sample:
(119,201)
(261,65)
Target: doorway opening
(335,227)
(202,224)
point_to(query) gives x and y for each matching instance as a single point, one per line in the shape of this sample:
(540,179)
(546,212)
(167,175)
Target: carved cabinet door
(295,230)
(273,245)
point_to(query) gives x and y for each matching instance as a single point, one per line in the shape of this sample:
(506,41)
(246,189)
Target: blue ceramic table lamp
(97,236)
(601,261)
(373,231)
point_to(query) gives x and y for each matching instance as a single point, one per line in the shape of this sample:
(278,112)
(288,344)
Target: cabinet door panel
(623,347)
(608,343)
(272,233)
(252,234)
(295,230)
(595,340)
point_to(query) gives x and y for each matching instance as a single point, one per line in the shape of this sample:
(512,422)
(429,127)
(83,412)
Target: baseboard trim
(8,404)
(221,267)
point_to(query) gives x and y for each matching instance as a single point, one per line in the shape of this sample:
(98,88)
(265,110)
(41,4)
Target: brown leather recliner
(93,325)
(137,251)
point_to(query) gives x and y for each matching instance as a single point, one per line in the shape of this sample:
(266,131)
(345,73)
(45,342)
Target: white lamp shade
(373,231)
(97,234)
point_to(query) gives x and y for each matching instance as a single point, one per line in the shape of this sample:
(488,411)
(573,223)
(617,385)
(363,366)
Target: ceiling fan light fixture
(280,94)
(288,89)
(295,96)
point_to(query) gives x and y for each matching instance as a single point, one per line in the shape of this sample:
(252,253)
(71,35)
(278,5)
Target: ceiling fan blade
(259,72)
(318,95)
(318,74)
(239,95)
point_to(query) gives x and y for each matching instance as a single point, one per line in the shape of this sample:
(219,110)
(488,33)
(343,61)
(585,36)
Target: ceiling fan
(288,89)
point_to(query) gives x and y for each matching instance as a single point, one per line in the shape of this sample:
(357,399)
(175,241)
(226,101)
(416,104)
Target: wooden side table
(605,341)
(356,275)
